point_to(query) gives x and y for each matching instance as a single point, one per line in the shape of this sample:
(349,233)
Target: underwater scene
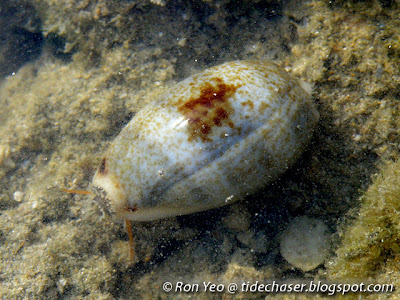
(205,149)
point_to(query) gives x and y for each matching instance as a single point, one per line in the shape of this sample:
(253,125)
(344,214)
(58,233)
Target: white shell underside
(159,166)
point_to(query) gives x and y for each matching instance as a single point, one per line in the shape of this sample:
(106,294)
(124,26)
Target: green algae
(370,247)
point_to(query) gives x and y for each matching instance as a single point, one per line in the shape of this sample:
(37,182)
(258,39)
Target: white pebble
(18,196)
(305,243)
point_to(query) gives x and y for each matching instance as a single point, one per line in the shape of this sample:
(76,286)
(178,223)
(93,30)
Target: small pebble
(305,243)
(18,196)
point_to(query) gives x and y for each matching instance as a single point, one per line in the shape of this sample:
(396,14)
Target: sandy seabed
(60,112)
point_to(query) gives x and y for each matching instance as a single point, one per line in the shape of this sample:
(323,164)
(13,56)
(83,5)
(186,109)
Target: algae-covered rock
(351,51)
(370,247)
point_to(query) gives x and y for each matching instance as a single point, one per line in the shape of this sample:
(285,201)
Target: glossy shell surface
(212,139)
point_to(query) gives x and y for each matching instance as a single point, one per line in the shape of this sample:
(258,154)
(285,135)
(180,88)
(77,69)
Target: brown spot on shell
(102,168)
(131,208)
(248,103)
(262,108)
(211,108)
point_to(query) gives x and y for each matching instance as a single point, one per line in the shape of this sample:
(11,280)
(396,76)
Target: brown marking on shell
(102,168)
(211,108)
(248,103)
(131,208)
(263,107)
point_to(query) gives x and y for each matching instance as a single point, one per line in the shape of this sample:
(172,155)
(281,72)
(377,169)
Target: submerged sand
(60,112)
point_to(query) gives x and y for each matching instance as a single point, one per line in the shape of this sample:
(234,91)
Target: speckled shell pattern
(214,138)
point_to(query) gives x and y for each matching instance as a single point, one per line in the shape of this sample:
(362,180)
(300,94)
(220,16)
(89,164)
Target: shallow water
(85,70)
